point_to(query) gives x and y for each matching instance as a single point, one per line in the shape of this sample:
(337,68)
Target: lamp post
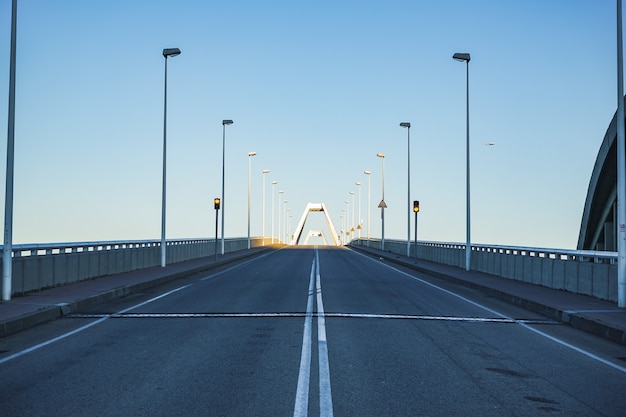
(341,232)
(224,124)
(265,171)
(358,221)
(250,155)
(216,205)
(352,225)
(621,168)
(382,204)
(369,177)
(408,186)
(273,184)
(287,226)
(279,209)
(344,220)
(285,219)
(348,219)
(168,52)
(7,248)
(465,57)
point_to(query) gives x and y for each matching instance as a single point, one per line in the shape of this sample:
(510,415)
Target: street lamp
(348,219)
(408,186)
(382,204)
(358,221)
(465,57)
(273,184)
(285,218)
(250,155)
(279,209)
(168,52)
(621,167)
(287,225)
(352,225)
(7,249)
(265,171)
(344,219)
(369,177)
(224,124)
(341,232)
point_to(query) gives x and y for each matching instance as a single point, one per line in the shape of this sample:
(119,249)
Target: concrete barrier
(39,266)
(592,273)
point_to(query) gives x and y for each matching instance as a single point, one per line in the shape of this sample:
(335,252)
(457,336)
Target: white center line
(326,400)
(302,391)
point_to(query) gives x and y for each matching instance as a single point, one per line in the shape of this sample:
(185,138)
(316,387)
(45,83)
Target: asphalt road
(306,331)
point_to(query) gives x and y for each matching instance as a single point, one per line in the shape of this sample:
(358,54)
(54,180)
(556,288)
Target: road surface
(310,331)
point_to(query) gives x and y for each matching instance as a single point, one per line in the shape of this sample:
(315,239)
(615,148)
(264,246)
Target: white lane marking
(49,342)
(105,318)
(85,327)
(526,326)
(326,399)
(301,406)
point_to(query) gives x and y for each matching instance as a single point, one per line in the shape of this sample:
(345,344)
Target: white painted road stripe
(326,399)
(301,406)
(526,326)
(106,317)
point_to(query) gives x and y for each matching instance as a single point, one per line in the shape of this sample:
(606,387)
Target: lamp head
(367,172)
(463,57)
(227,122)
(251,153)
(265,171)
(380,155)
(167,52)
(405,124)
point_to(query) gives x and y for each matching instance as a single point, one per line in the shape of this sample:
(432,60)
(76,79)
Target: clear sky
(317,89)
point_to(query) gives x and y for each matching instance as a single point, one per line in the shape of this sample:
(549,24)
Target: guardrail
(39,266)
(585,272)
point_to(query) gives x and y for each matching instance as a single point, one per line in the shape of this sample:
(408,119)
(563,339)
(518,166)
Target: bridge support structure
(315,207)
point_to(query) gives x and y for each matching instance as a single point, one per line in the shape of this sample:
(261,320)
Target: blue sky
(317,89)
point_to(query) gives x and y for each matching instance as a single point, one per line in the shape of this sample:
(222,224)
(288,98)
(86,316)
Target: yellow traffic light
(416,206)
(216,202)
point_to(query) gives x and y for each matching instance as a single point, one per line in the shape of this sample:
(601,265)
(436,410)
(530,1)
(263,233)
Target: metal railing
(44,265)
(584,272)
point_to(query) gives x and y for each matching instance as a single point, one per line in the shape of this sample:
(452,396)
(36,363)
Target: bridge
(303,331)
(589,270)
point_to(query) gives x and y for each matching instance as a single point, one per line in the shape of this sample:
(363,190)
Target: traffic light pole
(415,246)
(216,204)
(416,209)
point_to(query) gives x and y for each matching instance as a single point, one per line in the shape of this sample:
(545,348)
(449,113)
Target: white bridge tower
(315,207)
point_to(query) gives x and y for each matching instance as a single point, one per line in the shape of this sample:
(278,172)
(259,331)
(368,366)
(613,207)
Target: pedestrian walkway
(602,318)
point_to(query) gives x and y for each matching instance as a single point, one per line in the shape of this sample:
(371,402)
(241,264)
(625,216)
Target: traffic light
(216,202)
(416,206)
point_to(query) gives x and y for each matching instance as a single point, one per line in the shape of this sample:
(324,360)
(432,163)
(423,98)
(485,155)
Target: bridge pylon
(315,207)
